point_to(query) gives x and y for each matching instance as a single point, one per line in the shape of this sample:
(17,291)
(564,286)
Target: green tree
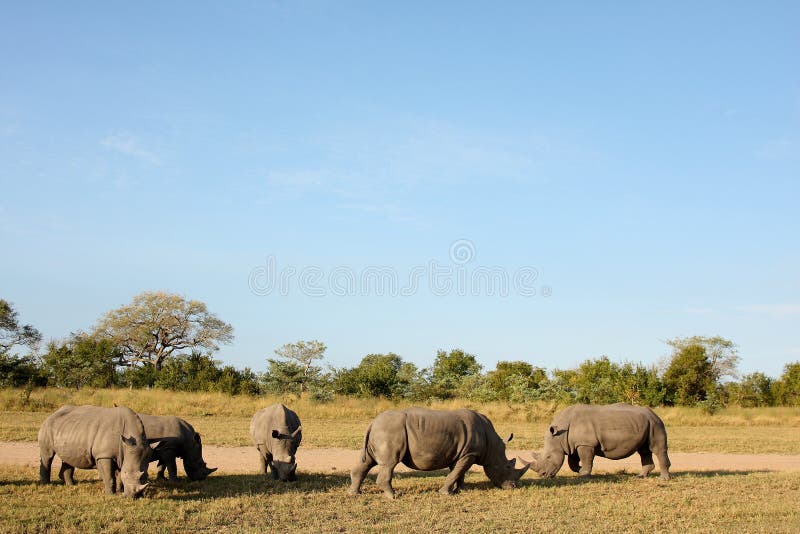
(17,371)
(722,354)
(193,372)
(689,377)
(787,388)
(301,355)
(156,325)
(378,375)
(450,369)
(516,381)
(12,333)
(753,390)
(284,377)
(82,361)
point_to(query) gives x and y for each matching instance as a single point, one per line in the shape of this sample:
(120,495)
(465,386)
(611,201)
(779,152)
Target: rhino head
(550,461)
(193,463)
(135,459)
(501,471)
(283,450)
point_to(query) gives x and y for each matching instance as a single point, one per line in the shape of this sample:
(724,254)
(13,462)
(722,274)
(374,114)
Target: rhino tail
(366,443)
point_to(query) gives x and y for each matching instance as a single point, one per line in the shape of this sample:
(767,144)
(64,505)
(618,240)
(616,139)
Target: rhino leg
(358,473)
(264,459)
(172,468)
(647,462)
(161,467)
(65,474)
(586,455)
(45,463)
(663,463)
(384,479)
(455,479)
(273,473)
(574,462)
(109,475)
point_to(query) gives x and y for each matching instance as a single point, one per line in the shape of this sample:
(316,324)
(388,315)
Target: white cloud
(125,144)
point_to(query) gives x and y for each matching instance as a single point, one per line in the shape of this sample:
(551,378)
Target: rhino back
(437,438)
(619,430)
(82,434)
(169,431)
(275,417)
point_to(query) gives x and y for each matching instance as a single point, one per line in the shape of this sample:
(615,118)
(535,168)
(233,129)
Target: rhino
(428,440)
(277,433)
(616,431)
(111,439)
(176,439)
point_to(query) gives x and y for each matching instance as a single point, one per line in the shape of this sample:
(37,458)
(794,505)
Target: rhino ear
(275,434)
(510,437)
(197,437)
(553,430)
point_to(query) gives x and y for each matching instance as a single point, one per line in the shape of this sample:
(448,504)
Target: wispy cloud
(771,309)
(780,149)
(698,311)
(125,144)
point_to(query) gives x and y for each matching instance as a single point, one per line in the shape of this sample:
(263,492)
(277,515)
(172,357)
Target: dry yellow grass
(691,502)
(224,420)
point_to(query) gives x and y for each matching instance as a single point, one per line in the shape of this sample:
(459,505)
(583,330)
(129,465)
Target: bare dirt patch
(338,460)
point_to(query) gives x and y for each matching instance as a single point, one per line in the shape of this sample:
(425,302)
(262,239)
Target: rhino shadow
(574,480)
(234,485)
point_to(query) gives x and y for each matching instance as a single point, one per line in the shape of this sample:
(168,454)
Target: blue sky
(643,159)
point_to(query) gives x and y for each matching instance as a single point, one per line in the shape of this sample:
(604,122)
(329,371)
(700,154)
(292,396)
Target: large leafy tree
(156,324)
(12,332)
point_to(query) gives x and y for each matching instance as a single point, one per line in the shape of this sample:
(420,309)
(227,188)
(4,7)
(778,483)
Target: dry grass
(691,502)
(224,420)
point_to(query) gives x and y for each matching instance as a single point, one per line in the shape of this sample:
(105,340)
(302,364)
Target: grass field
(693,502)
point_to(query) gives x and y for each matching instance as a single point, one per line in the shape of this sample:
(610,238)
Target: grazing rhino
(111,439)
(277,433)
(434,439)
(176,439)
(616,431)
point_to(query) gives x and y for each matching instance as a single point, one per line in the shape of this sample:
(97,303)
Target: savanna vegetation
(164,341)
(168,368)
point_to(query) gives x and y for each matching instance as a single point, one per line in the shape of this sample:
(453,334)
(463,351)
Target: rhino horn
(525,467)
(533,462)
(139,489)
(210,470)
(299,428)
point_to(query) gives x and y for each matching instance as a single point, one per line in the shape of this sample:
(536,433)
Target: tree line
(162,340)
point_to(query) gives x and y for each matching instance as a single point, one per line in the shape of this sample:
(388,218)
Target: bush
(18,371)
(689,377)
(82,361)
(787,388)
